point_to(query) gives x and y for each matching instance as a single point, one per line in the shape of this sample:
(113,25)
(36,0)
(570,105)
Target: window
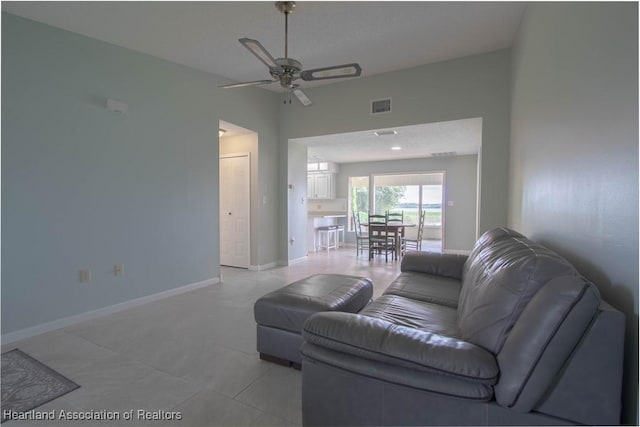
(358,198)
(388,197)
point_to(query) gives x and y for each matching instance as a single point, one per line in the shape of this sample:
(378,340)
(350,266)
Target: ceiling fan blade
(260,52)
(243,84)
(335,72)
(302,97)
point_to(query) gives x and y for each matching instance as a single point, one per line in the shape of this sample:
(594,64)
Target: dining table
(397,229)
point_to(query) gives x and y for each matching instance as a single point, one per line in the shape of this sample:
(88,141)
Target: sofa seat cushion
(410,313)
(426,287)
(400,354)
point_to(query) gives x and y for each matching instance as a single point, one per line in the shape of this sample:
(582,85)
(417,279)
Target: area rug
(27,383)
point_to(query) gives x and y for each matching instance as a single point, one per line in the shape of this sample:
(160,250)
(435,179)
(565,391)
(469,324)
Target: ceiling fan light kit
(287,70)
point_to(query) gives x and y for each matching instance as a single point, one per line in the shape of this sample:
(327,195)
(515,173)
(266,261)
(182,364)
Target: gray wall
(460,187)
(574,154)
(474,86)
(86,188)
(297,197)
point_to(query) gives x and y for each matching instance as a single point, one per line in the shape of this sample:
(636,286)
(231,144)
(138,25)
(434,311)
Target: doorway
(235,209)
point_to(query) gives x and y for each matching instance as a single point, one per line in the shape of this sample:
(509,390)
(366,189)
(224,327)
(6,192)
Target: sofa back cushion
(491,236)
(544,337)
(502,274)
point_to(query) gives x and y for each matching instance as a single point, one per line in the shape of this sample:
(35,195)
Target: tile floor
(193,353)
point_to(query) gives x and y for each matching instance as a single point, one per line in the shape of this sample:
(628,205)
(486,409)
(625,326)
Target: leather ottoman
(281,313)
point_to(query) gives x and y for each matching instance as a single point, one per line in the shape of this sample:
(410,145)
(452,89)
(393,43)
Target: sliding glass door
(432,204)
(409,193)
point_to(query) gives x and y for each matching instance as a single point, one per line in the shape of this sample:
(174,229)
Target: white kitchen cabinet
(321,180)
(321,186)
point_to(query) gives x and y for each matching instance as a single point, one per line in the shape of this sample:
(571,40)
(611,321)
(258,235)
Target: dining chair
(362,237)
(396,233)
(395,216)
(415,244)
(379,239)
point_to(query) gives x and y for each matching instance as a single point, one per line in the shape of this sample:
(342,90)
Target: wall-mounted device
(117,106)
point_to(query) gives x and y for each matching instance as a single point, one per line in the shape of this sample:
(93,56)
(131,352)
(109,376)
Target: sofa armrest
(448,265)
(382,341)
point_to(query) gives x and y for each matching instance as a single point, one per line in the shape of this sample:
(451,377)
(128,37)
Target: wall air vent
(381,106)
(444,154)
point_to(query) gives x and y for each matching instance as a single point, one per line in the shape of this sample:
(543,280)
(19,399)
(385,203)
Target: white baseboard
(456,251)
(297,260)
(90,315)
(263,266)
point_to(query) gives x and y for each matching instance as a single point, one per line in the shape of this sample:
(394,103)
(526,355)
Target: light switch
(450,203)
(118,269)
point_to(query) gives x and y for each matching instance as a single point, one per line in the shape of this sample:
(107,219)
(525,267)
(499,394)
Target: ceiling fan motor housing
(285,7)
(288,72)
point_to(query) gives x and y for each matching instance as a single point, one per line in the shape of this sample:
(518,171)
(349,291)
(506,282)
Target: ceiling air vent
(380,106)
(444,154)
(385,132)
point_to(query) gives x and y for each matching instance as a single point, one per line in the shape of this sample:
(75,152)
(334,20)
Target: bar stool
(338,231)
(330,234)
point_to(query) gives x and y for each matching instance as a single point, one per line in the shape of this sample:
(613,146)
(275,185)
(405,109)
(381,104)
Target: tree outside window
(358,198)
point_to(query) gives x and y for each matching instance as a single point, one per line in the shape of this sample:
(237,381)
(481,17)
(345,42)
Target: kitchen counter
(326,214)
(317,219)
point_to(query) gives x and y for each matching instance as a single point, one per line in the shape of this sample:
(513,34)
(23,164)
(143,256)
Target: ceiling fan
(287,70)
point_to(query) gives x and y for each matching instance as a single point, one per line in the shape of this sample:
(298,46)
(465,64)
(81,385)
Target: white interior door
(235,188)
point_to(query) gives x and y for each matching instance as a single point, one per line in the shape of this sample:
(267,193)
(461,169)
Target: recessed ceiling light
(396,148)
(385,132)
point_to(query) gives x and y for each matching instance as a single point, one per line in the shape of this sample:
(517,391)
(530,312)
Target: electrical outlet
(85,276)
(118,269)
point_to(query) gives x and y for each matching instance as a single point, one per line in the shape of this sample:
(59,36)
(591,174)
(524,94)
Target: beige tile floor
(193,353)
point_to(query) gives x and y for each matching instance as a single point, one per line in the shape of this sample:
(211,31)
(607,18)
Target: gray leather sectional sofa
(511,334)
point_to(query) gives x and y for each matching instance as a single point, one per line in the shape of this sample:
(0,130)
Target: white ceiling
(459,136)
(380,36)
